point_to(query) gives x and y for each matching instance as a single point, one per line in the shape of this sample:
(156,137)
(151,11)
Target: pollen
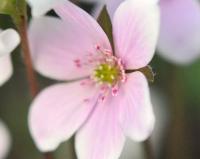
(107,73)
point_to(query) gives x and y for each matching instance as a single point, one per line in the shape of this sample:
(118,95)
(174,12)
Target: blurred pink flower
(179,40)
(5,141)
(9,39)
(106,104)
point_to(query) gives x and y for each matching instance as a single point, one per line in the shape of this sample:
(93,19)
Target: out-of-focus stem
(22,28)
(31,76)
(48,155)
(149,153)
(176,143)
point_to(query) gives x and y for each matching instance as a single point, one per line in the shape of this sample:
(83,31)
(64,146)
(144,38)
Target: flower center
(107,73)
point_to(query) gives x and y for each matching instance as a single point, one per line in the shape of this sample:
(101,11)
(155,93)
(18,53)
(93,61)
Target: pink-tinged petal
(112,6)
(135,31)
(180,34)
(136,114)
(9,39)
(6,69)
(58,49)
(58,111)
(40,7)
(133,150)
(86,24)
(5,140)
(101,137)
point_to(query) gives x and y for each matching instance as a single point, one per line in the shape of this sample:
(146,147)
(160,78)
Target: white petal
(137,117)
(135,32)
(6,69)
(58,111)
(5,140)
(101,137)
(133,150)
(9,39)
(73,37)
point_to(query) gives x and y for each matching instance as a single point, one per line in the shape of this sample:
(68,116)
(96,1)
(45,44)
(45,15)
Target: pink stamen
(97,47)
(94,60)
(77,63)
(115,90)
(103,98)
(86,100)
(108,52)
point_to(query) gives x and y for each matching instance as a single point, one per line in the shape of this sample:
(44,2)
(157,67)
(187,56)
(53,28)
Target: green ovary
(107,73)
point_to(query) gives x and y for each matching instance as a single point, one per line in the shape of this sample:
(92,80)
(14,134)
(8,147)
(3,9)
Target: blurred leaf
(147,71)
(7,7)
(14,8)
(106,24)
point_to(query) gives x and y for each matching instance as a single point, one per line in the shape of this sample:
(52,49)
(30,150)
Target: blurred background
(175,95)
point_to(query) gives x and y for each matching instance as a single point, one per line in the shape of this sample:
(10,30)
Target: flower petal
(85,23)
(40,7)
(9,39)
(135,31)
(6,69)
(112,6)
(101,137)
(58,111)
(133,150)
(56,48)
(5,140)
(180,34)
(137,117)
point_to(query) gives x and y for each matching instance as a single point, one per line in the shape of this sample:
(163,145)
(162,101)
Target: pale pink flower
(5,140)
(180,34)
(106,104)
(9,39)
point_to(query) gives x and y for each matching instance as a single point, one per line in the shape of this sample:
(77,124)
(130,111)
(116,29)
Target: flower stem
(148,149)
(22,28)
(31,75)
